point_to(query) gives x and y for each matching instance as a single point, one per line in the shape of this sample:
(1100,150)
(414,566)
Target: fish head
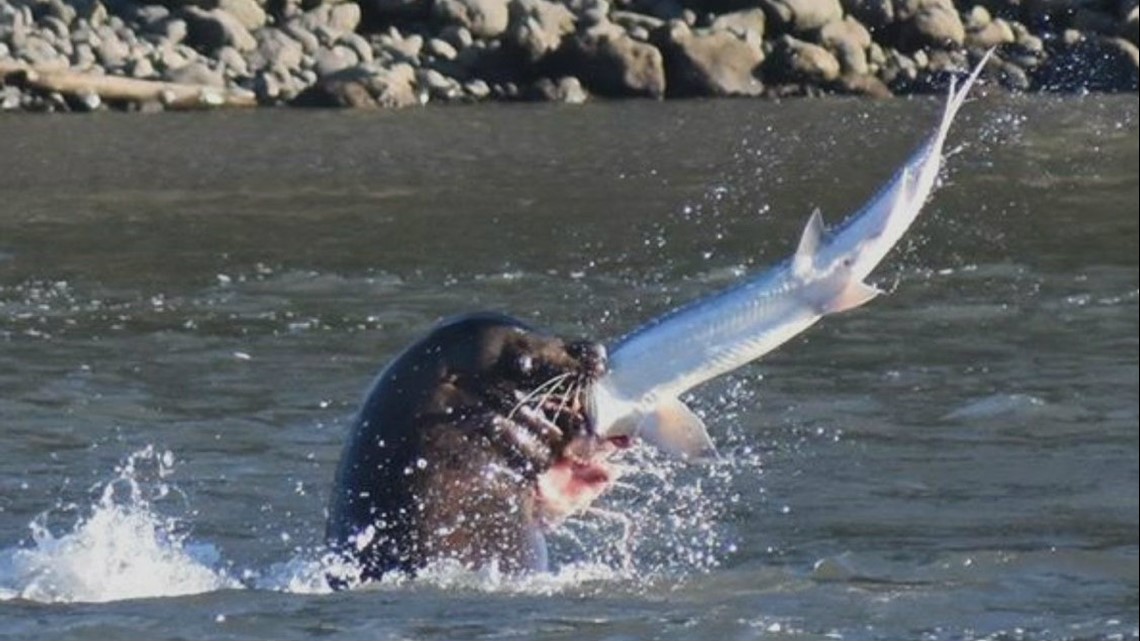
(663,421)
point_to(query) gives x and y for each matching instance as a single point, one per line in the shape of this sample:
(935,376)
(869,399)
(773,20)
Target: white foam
(123,549)
(127,544)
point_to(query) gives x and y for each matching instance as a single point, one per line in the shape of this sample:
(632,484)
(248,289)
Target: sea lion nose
(592,356)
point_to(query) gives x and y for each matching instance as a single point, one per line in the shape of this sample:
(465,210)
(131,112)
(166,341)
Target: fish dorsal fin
(673,428)
(852,296)
(810,241)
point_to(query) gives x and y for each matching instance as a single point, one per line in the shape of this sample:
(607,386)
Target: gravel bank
(82,55)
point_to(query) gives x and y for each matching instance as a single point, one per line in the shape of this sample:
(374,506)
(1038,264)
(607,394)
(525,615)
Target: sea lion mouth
(581,474)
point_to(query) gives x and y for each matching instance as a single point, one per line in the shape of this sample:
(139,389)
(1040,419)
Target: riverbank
(60,55)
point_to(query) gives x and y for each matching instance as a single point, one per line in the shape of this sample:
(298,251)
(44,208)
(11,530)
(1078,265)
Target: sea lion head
(535,385)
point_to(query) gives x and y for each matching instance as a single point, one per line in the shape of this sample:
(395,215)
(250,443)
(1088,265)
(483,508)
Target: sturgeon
(652,366)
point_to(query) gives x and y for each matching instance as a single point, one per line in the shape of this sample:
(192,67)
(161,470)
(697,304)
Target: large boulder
(801,16)
(744,23)
(483,18)
(611,63)
(364,86)
(848,40)
(709,63)
(211,29)
(930,23)
(248,12)
(537,27)
(796,61)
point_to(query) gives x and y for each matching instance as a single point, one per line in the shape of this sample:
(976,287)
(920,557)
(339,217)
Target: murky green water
(957,460)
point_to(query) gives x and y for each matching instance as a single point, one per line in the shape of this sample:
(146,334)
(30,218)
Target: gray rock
(276,49)
(441,49)
(457,36)
(439,86)
(997,32)
(483,18)
(170,30)
(196,73)
(169,56)
(364,87)
(864,85)
(306,38)
(848,40)
(590,12)
(344,17)
(359,45)
(1013,77)
(330,61)
(10,97)
(801,16)
(630,20)
(112,53)
(63,11)
(400,47)
(82,56)
(210,30)
(248,12)
(56,27)
(267,87)
(567,90)
(610,63)
(977,18)
(930,23)
(38,52)
(876,15)
(235,64)
(709,63)
(571,91)
(794,60)
(141,68)
(477,89)
(743,23)
(537,27)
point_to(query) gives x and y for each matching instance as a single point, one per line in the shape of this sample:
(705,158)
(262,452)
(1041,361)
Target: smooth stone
(248,12)
(610,63)
(798,61)
(742,23)
(441,49)
(196,73)
(483,18)
(801,16)
(210,30)
(848,40)
(709,63)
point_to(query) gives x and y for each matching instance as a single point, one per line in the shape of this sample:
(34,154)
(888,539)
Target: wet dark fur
(429,470)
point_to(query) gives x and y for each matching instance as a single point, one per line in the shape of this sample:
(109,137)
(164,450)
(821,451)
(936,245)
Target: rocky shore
(83,55)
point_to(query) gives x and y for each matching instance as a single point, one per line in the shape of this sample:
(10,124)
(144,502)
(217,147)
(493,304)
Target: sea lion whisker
(553,381)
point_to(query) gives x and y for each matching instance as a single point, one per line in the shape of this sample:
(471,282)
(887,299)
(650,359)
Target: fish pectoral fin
(673,428)
(852,296)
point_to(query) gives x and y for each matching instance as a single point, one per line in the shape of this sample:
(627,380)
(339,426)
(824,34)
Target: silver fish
(651,367)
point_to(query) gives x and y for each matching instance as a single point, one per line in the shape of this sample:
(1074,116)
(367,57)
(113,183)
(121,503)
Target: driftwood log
(172,95)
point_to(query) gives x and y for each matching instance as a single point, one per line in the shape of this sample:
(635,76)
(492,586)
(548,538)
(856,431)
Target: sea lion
(468,444)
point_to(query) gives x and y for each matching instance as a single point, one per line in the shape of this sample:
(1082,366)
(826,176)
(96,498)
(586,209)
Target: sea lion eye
(526,364)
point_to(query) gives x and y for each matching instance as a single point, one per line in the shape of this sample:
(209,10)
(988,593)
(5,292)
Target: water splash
(123,549)
(133,541)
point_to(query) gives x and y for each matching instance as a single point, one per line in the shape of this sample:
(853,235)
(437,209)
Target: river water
(191,305)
